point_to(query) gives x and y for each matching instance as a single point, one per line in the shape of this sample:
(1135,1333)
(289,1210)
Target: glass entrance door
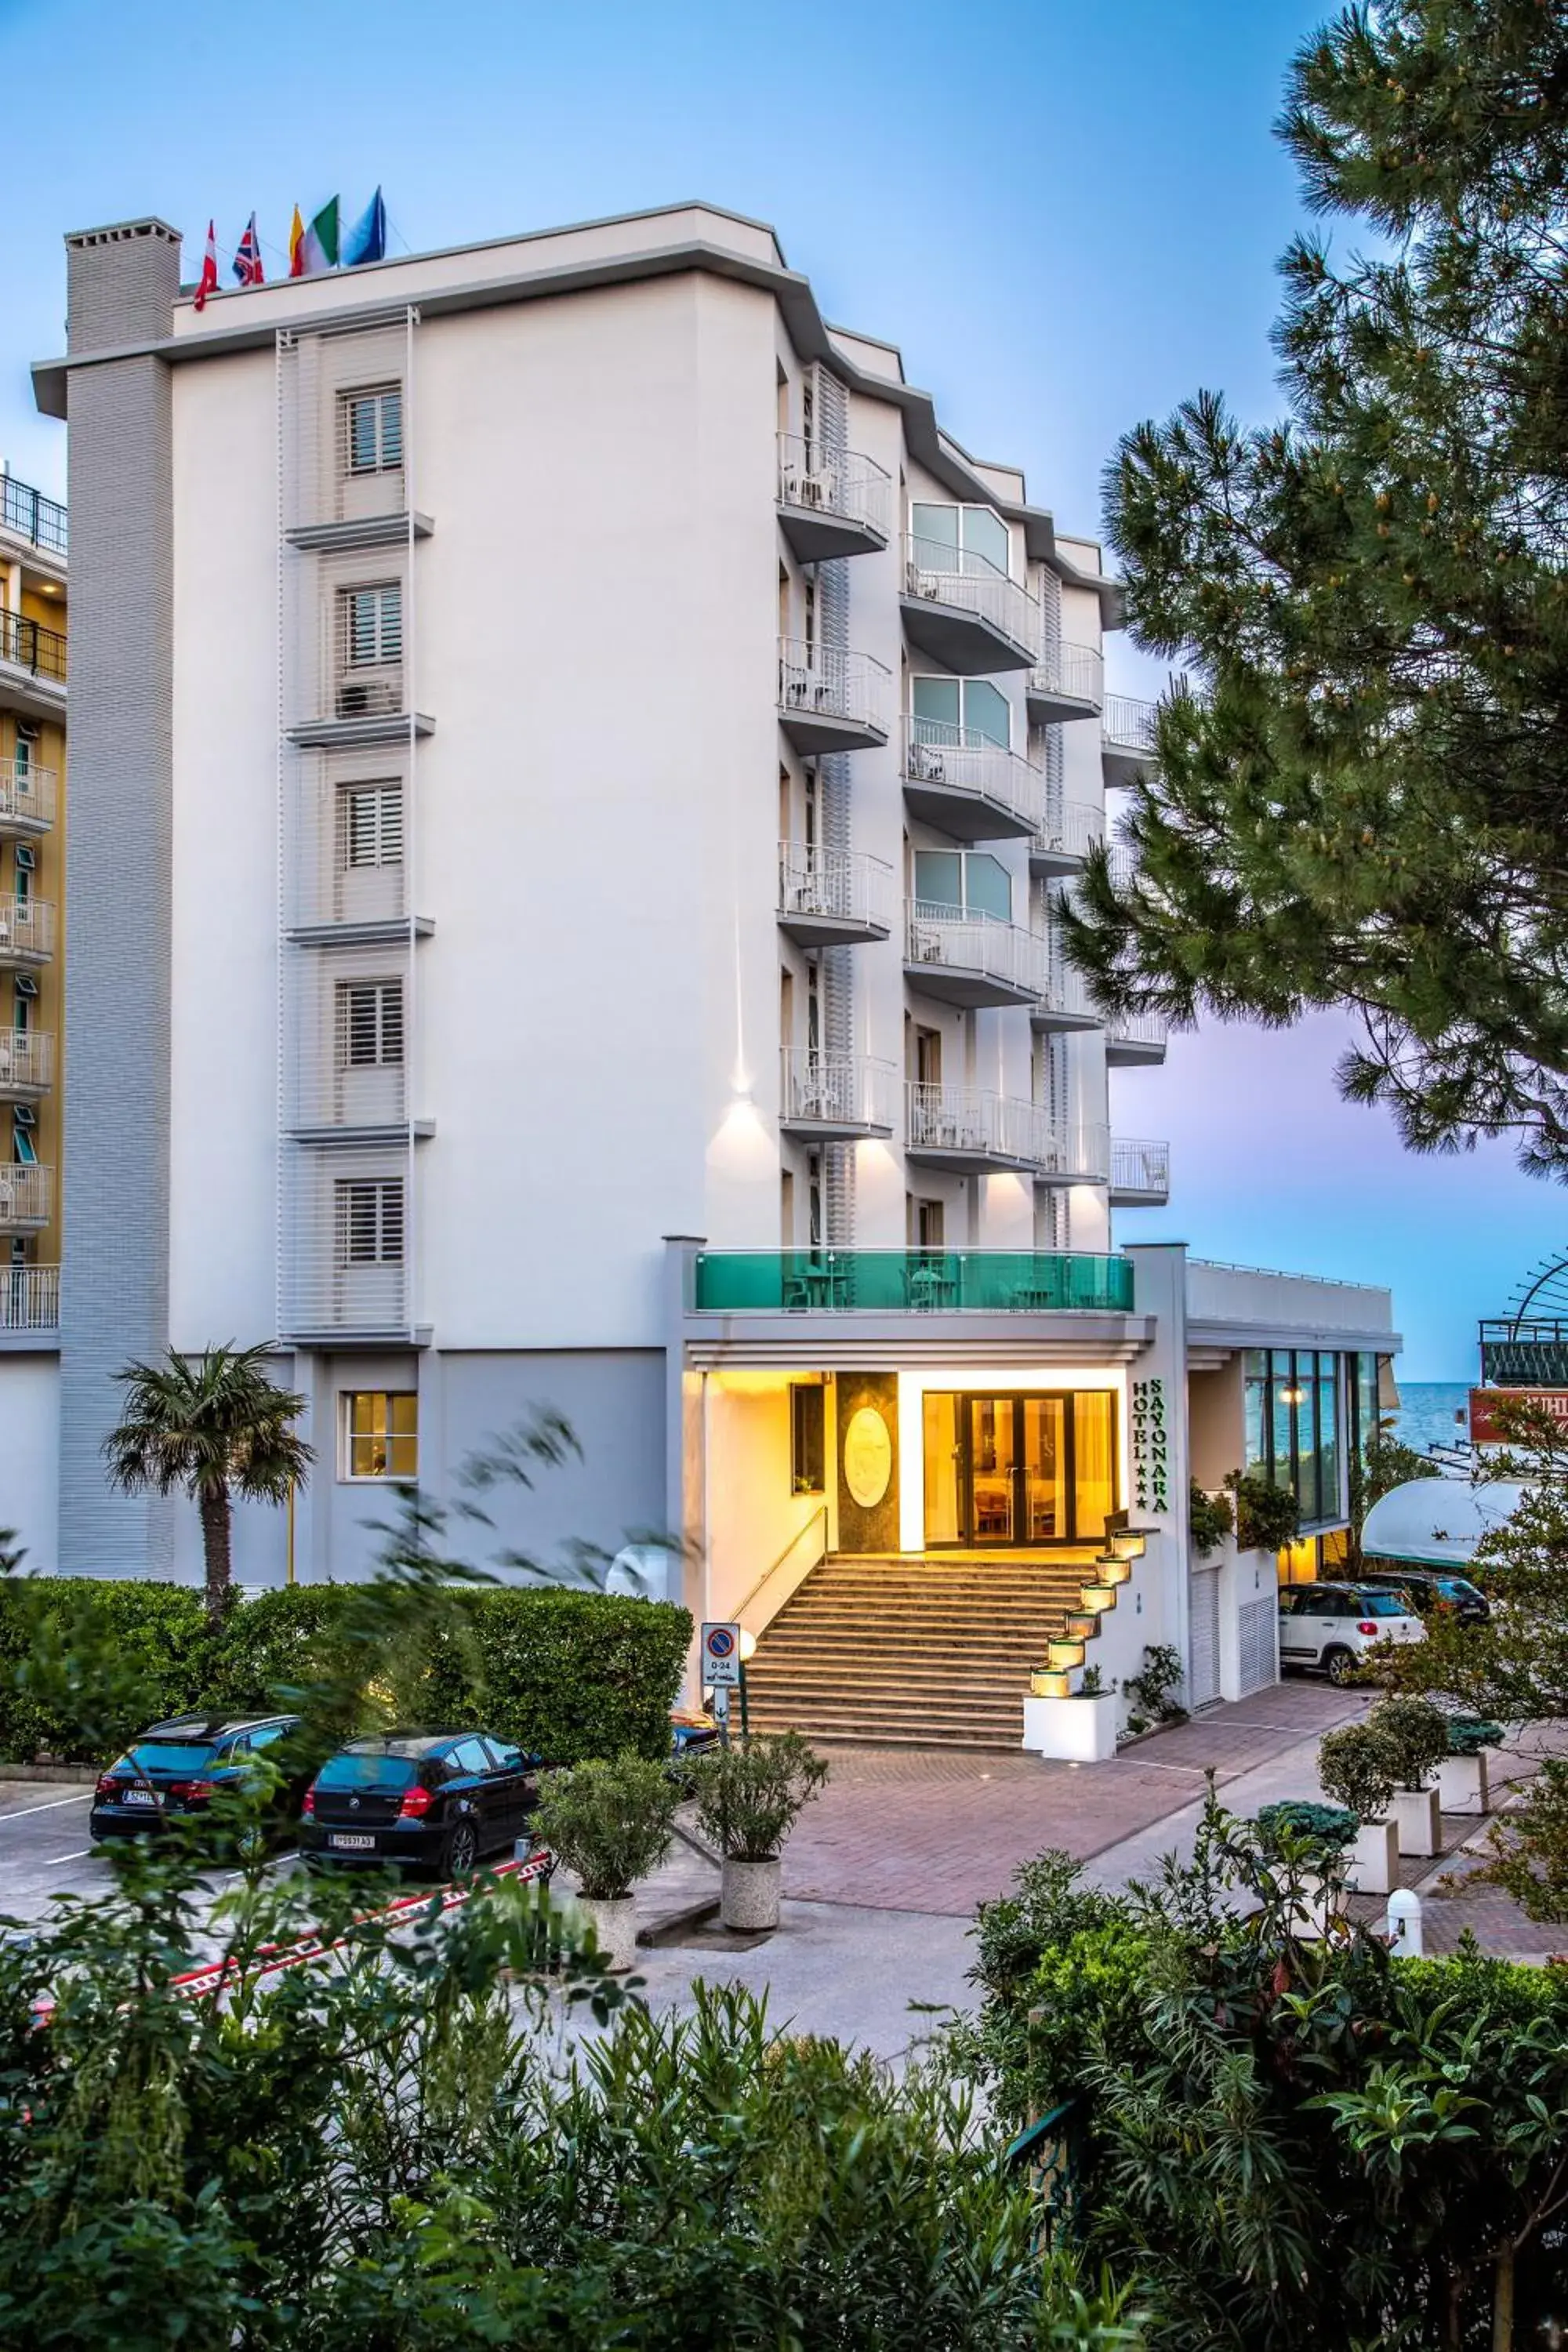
(1018,1470)
(993,1469)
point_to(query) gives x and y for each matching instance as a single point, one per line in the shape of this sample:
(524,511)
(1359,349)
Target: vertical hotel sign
(1151,1442)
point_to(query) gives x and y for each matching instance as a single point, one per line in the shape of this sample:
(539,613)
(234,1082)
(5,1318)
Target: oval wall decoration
(867,1457)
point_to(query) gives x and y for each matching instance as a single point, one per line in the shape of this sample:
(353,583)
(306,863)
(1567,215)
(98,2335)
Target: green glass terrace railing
(851,1281)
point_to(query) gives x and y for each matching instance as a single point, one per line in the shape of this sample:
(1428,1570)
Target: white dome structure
(1437,1522)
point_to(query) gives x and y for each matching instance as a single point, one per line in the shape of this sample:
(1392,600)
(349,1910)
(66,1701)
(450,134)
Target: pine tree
(1360,797)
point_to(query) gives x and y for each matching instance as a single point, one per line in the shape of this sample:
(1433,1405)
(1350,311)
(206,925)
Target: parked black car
(426,1800)
(1436,1592)
(176,1769)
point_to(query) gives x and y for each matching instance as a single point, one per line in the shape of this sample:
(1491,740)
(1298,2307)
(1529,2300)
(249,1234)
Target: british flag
(247,259)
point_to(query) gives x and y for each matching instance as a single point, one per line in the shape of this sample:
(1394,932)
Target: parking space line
(84,1796)
(55,1860)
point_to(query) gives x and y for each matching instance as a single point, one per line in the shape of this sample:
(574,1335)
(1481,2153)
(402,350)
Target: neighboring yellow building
(32,889)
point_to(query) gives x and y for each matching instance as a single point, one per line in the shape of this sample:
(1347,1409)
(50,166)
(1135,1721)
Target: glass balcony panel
(988,1282)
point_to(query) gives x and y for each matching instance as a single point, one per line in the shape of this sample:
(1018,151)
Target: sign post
(721,1669)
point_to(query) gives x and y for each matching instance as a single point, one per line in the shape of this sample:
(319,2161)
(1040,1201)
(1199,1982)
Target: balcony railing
(1128,723)
(26,1193)
(1137,1032)
(27,645)
(1075,672)
(851,488)
(1000,952)
(817,681)
(27,930)
(1524,1353)
(1140,1170)
(973,1122)
(868,1282)
(27,514)
(1078,1154)
(835,887)
(29,1298)
(26,794)
(1065,993)
(26,1061)
(940,574)
(843,1091)
(961,761)
(1066,834)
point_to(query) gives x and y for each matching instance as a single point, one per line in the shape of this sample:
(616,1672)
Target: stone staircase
(920,1650)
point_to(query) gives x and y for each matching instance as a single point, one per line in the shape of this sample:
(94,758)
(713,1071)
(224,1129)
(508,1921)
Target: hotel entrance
(1019,1471)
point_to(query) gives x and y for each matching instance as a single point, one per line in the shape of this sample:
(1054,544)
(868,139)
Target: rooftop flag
(208,281)
(366,241)
(320,246)
(296,245)
(248,260)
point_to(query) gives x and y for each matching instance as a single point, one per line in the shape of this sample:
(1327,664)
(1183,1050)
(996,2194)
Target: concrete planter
(749,1894)
(1373,1862)
(1079,1730)
(1321,1900)
(614,1919)
(1464,1784)
(1418,1820)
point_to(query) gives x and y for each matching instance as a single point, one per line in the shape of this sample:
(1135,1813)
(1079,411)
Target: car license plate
(139,1797)
(347,1842)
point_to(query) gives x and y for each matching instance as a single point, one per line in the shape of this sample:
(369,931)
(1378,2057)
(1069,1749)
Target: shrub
(1469,1734)
(1356,1769)
(1329,1825)
(1267,1516)
(573,1675)
(1210,1519)
(1151,1692)
(156,1634)
(749,1797)
(1414,1735)
(610,1823)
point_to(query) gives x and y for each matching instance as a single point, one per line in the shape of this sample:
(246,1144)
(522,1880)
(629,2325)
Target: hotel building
(580,767)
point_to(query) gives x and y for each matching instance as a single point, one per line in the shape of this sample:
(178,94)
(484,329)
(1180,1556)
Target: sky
(1068,214)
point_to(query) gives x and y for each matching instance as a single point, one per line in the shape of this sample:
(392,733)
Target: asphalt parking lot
(45,1851)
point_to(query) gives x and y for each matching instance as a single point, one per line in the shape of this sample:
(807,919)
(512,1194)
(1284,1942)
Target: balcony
(1135,1041)
(1064,837)
(27,1063)
(1064,1003)
(1527,1351)
(26,798)
(1127,737)
(965,613)
(835,1097)
(29,1299)
(972,1132)
(830,702)
(1078,1152)
(869,1281)
(25,513)
(971,959)
(32,667)
(1066,682)
(833,897)
(830,507)
(26,1196)
(1139,1173)
(973,789)
(26,933)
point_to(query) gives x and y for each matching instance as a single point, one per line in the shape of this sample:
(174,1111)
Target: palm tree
(215,1428)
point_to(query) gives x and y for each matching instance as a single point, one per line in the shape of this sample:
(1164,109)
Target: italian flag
(319,248)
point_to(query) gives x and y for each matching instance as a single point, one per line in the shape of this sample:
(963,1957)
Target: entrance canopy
(1436,1522)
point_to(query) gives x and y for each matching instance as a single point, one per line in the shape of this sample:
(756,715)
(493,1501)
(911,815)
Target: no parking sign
(721,1656)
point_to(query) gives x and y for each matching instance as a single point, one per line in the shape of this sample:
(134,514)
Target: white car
(1335,1625)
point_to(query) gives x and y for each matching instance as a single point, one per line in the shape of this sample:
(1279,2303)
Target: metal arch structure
(1528,1348)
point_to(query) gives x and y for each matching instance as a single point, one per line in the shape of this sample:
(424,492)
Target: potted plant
(1079,1725)
(1354,1768)
(749,1797)
(1414,1735)
(1310,1842)
(610,1825)
(1464,1777)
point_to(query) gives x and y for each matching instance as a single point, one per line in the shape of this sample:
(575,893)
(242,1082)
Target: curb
(85,1774)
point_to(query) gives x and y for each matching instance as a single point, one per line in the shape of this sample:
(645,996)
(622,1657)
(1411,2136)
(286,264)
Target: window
(807,1438)
(381,1434)
(21,1147)
(369,1225)
(372,621)
(959,710)
(1290,1425)
(371,825)
(929,1224)
(373,429)
(963,882)
(958,539)
(469,1756)
(27,743)
(370,1025)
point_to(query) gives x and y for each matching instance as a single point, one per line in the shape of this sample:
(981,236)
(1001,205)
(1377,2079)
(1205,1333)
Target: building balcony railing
(1078,1152)
(1065,836)
(973,789)
(1065,1000)
(830,702)
(971,959)
(836,1096)
(29,1298)
(965,612)
(26,1196)
(834,896)
(25,513)
(1127,737)
(27,1063)
(1139,1173)
(899,1282)
(831,506)
(28,646)
(1067,681)
(972,1128)
(27,797)
(26,931)
(1136,1040)
(1527,1352)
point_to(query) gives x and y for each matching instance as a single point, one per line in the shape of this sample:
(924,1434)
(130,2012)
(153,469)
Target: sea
(1427,1411)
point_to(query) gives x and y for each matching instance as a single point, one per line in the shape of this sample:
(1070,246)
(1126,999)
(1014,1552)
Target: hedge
(567,1676)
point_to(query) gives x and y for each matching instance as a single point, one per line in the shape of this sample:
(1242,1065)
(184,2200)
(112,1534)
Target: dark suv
(432,1799)
(176,1769)
(1434,1592)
